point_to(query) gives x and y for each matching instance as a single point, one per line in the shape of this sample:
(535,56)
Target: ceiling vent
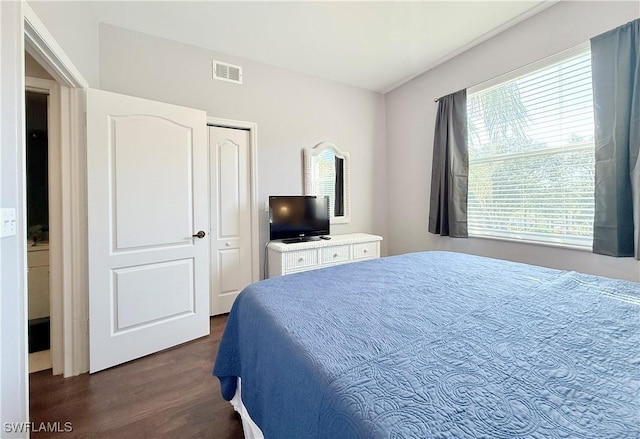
(227,72)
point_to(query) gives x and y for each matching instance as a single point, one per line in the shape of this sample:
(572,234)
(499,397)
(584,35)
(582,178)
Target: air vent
(227,72)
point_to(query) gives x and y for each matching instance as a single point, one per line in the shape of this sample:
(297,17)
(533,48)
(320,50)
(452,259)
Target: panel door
(231,267)
(147,198)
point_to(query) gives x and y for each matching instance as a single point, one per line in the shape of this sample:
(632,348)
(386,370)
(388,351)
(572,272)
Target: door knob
(200,234)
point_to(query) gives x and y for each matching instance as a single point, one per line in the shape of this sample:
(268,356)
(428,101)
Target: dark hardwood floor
(171,394)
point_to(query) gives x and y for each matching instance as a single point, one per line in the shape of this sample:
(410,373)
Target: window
(531,154)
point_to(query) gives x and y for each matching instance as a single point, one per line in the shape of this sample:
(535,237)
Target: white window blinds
(531,155)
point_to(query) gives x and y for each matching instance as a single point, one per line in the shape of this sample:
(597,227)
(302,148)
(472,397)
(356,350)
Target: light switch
(8,226)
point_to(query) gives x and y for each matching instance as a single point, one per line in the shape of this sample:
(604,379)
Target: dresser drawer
(365,250)
(339,253)
(300,259)
(283,259)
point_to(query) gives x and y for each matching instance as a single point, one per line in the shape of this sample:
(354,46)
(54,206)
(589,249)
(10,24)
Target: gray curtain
(448,203)
(338,208)
(616,100)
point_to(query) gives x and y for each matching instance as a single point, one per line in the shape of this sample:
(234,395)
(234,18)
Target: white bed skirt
(251,430)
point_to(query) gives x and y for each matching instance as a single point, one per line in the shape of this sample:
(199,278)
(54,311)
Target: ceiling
(372,45)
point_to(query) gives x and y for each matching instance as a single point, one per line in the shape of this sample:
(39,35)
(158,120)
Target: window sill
(538,243)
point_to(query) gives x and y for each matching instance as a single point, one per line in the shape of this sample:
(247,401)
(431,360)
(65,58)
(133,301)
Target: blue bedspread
(436,345)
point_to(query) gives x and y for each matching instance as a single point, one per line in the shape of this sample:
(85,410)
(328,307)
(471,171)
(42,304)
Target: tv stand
(308,255)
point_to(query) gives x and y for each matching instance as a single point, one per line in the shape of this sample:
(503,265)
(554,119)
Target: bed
(435,345)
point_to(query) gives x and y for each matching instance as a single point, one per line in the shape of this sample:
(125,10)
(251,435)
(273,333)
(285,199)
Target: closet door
(230,216)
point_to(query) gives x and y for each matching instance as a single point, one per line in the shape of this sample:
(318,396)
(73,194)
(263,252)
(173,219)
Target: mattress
(436,344)
(249,428)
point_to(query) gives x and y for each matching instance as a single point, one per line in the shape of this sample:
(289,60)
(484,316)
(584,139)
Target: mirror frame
(308,154)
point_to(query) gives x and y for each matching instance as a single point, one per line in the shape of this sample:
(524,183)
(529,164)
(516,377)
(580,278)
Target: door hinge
(85,118)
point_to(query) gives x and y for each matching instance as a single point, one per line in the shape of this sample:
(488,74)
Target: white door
(147,197)
(230,215)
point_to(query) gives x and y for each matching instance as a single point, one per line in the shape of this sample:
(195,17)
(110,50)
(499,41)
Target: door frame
(70,271)
(252,127)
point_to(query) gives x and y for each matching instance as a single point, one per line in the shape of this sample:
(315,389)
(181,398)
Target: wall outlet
(8,222)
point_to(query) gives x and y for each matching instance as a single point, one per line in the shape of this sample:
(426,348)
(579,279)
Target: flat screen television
(298,218)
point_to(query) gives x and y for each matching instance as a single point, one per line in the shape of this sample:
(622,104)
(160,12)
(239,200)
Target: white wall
(292,110)
(13,325)
(411,114)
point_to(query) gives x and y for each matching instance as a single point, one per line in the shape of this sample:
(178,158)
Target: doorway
(43,227)
(37,186)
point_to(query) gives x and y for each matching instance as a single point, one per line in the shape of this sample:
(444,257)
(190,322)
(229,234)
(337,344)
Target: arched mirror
(326,172)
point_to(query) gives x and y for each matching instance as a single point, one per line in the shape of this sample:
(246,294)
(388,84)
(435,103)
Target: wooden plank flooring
(171,394)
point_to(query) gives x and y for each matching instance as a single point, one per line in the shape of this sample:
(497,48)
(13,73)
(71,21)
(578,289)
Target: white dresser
(303,256)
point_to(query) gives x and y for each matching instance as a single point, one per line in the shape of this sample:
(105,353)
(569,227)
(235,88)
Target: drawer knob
(365,250)
(301,259)
(335,255)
